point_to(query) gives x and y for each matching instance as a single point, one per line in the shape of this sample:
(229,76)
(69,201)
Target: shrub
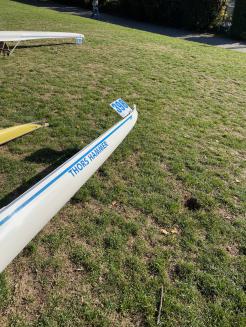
(200,14)
(193,14)
(239,20)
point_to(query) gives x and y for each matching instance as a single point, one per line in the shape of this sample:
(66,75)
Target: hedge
(239,20)
(194,14)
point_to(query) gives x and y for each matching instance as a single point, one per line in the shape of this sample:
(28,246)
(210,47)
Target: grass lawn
(104,258)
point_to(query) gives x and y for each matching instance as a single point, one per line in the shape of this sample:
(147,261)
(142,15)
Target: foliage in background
(239,20)
(192,14)
(180,13)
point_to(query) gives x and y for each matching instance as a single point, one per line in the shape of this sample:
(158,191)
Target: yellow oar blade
(12,133)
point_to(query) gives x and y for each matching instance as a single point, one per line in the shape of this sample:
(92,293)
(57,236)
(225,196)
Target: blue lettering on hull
(79,166)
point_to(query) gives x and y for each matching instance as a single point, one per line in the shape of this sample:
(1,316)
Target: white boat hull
(17,36)
(22,219)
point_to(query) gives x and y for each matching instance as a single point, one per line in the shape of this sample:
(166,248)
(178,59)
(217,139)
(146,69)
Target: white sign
(121,107)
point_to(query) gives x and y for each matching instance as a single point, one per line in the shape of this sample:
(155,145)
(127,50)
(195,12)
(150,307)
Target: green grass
(103,259)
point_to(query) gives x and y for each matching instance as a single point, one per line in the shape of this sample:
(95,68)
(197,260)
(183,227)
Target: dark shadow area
(224,42)
(58,7)
(192,204)
(43,45)
(204,38)
(46,155)
(27,46)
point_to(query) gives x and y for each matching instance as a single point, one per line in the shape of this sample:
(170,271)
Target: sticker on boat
(121,107)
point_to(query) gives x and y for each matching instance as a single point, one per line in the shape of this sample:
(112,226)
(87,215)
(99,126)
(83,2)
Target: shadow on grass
(46,155)
(44,45)
(26,46)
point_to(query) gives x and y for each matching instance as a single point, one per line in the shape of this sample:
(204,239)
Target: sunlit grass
(103,259)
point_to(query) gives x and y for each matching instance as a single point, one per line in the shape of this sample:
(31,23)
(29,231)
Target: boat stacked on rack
(18,36)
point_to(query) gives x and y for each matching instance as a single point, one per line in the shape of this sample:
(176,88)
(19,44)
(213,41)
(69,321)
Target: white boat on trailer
(21,220)
(18,36)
